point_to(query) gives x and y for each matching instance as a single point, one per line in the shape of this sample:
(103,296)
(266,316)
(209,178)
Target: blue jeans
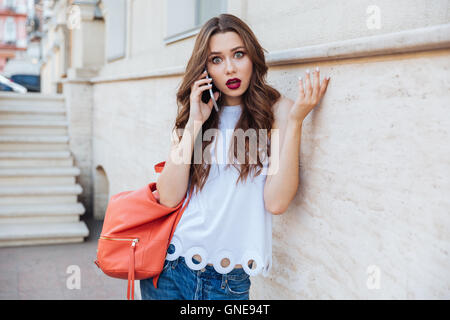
(179,282)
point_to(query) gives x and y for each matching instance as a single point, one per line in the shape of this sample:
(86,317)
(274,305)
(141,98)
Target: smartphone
(209,94)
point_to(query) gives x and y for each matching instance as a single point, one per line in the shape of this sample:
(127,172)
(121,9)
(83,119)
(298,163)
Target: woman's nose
(230,67)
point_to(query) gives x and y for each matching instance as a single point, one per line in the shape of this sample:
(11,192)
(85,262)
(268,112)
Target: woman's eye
(214,58)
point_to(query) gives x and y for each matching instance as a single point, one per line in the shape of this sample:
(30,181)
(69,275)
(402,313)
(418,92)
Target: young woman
(225,234)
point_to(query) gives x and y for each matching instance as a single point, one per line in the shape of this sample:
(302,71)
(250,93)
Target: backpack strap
(159,166)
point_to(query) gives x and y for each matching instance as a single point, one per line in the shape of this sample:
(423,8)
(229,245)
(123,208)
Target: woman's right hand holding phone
(199,111)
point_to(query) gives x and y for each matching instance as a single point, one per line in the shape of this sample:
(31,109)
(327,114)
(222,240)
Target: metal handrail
(15,86)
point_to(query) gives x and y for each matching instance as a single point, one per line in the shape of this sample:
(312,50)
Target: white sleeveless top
(225,221)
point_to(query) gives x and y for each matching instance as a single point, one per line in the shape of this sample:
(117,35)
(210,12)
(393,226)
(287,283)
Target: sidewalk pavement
(42,272)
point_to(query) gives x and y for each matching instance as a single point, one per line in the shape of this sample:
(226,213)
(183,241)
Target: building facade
(370,219)
(13,32)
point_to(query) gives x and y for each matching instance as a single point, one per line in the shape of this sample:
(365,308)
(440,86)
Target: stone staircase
(38,192)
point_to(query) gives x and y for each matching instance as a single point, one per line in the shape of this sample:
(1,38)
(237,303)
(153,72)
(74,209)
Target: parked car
(30,81)
(8,85)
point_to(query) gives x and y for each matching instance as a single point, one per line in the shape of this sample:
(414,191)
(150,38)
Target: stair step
(33,139)
(61,194)
(22,159)
(33,127)
(32,109)
(40,99)
(33,234)
(33,142)
(44,190)
(33,123)
(42,176)
(32,112)
(45,213)
(41,172)
(47,210)
(34,154)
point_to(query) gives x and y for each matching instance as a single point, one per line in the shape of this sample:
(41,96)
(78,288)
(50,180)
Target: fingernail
(300,78)
(317,68)
(307,70)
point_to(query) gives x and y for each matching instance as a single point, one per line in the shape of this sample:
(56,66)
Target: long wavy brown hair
(257,101)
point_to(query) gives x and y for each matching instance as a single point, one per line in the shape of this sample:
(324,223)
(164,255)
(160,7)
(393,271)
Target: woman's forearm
(173,181)
(281,187)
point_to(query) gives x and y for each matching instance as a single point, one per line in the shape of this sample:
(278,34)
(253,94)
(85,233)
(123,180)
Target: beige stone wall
(288,24)
(79,115)
(372,187)
(370,219)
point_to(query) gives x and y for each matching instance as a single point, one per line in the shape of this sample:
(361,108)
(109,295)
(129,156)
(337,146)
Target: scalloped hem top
(226,224)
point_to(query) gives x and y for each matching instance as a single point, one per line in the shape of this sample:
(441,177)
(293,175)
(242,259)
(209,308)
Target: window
(10,4)
(21,7)
(116,27)
(10,30)
(185,17)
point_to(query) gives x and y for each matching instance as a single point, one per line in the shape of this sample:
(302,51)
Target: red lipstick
(233,83)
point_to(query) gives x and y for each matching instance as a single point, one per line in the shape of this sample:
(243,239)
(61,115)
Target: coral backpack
(136,234)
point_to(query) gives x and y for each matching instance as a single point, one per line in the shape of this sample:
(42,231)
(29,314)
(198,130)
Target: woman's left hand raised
(309,96)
